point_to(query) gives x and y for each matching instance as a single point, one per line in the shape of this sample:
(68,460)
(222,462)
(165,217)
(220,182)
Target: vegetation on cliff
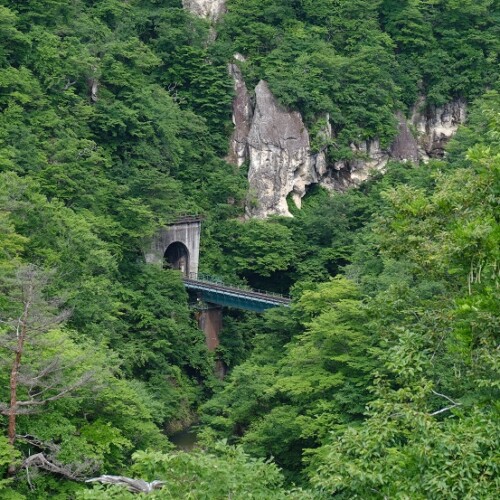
(384,380)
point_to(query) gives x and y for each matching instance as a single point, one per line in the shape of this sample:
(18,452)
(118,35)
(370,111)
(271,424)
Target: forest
(381,380)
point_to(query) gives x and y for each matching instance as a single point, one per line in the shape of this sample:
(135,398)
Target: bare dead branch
(132,485)
(55,367)
(446,397)
(69,84)
(41,392)
(39,460)
(28,479)
(454,404)
(84,379)
(444,409)
(5,410)
(75,472)
(34,441)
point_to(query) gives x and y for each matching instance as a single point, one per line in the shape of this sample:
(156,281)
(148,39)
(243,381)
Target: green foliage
(70,403)
(96,152)
(360,61)
(114,117)
(8,455)
(390,376)
(429,431)
(283,399)
(222,472)
(261,248)
(402,451)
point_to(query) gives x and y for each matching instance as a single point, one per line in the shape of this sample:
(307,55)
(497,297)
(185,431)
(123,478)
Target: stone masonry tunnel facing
(177,244)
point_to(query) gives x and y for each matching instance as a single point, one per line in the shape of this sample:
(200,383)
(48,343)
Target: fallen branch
(76,472)
(132,485)
(39,460)
(38,443)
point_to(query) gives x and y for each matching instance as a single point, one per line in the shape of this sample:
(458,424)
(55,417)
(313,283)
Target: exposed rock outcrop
(368,156)
(280,159)
(277,144)
(210,9)
(405,145)
(436,125)
(242,116)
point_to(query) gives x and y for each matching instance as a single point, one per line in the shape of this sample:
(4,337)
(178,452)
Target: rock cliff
(276,142)
(210,9)
(436,125)
(277,145)
(242,116)
(280,158)
(405,145)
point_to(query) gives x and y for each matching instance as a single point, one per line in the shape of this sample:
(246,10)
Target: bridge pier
(178,246)
(210,322)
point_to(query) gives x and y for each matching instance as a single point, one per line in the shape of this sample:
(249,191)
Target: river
(185,440)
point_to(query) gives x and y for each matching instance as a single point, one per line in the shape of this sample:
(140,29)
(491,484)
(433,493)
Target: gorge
(160,161)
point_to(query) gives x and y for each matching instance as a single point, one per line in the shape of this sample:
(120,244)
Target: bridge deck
(218,293)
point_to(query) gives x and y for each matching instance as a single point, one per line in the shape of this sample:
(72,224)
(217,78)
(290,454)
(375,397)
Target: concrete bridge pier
(210,322)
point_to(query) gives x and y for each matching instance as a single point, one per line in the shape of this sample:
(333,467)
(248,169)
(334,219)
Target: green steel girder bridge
(215,292)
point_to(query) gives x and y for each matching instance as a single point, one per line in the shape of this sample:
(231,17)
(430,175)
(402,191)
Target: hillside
(346,153)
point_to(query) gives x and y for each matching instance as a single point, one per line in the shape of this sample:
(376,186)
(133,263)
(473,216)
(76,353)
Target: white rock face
(277,144)
(369,156)
(210,9)
(280,159)
(436,125)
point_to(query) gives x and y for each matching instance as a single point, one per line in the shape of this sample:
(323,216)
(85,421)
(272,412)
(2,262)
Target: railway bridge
(178,246)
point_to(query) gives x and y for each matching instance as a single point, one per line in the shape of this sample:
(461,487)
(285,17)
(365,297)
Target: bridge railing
(186,217)
(215,280)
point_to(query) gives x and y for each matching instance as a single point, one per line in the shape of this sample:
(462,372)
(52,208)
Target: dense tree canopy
(385,384)
(381,379)
(360,60)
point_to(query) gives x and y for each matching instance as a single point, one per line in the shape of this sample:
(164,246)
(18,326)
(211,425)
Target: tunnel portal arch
(177,244)
(177,257)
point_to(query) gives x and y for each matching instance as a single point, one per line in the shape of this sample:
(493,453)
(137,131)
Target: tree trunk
(13,393)
(21,335)
(22,329)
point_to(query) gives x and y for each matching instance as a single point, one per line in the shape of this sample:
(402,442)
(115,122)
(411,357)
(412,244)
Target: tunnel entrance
(177,257)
